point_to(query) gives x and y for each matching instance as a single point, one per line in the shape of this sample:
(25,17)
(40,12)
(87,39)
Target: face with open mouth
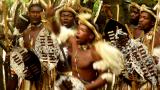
(84,34)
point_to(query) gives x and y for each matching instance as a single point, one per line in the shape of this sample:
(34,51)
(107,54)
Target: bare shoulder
(26,31)
(94,54)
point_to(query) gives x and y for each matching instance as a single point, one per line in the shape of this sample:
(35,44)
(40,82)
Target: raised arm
(51,21)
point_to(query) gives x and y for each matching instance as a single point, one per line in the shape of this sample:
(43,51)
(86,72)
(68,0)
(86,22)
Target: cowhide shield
(68,83)
(47,49)
(25,63)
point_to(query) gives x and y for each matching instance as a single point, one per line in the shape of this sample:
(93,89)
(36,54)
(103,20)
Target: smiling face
(84,34)
(35,14)
(67,18)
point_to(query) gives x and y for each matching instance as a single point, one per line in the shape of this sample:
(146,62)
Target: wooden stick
(3,70)
(97,13)
(117,12)
(129,31)
(154,31)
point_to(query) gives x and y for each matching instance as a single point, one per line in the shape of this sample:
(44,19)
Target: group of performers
(67,46)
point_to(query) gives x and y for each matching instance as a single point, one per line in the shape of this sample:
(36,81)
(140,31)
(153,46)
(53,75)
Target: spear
(157,7)
(117,12)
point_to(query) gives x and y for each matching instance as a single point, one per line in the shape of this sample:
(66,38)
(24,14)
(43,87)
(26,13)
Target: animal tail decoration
(112,58)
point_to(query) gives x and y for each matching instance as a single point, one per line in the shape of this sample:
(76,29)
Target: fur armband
(65,34)
(112,58)
(109,77)
(101,65)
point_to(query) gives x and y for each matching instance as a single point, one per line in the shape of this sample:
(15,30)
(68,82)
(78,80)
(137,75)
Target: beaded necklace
(75,61)
(83,48)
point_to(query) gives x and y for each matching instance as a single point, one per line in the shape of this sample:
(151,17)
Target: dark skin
(107,9)
(146,22)
(82,60)
(85,58)
(31,33)
(34,14)
(157,39)
(134,15)
(67,18)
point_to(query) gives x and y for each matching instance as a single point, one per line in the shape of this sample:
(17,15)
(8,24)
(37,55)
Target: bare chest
(82,59)
(30,36)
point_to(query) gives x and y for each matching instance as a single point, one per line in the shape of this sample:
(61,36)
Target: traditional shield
(25,63)
(48,50)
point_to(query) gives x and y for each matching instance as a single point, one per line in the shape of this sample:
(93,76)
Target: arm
(107,9)
(73,44)
(51,22)
(99,82)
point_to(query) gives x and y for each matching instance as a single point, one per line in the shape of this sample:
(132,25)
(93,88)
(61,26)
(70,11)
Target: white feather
(112,58)
(85,15)
(65,33)
(21,42)
(51,66)
(16,32)
(156,52)
(107,76)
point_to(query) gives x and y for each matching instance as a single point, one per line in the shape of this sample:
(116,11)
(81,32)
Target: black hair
(35,5)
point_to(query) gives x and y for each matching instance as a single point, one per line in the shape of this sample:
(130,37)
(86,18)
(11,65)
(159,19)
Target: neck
(36,24)
(84,47)
(33,26)
(134,22)
(147,30)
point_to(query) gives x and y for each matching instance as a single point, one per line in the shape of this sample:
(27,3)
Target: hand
(72,39)
(107,9)
(87,87)
(50,11)
(158,87)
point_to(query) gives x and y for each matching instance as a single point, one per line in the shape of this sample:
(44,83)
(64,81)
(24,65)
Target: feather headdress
(133,4)
(84,18)
(64,8)
(147,9)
